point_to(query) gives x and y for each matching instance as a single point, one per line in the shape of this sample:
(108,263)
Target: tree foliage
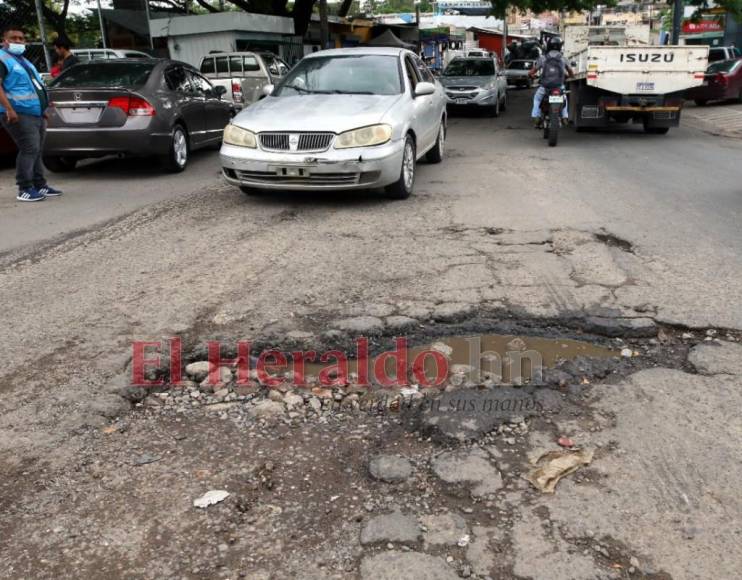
(57,16)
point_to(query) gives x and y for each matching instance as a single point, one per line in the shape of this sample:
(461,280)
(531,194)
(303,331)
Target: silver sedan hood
(335,113)
(466,81)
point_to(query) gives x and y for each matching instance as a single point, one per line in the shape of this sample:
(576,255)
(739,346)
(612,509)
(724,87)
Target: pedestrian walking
(63,48)
(23,101)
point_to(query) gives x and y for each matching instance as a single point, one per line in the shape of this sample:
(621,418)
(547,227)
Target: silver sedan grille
(303,142)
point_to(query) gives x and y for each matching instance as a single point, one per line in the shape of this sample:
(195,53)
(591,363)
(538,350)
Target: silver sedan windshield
(348,74)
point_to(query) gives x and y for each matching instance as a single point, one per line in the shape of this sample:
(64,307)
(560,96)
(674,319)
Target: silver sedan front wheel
(402,188)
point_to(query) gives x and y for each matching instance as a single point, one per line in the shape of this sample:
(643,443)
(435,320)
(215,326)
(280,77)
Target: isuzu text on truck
(621,78)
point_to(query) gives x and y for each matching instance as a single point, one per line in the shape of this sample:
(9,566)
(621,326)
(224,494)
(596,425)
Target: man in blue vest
(23,100)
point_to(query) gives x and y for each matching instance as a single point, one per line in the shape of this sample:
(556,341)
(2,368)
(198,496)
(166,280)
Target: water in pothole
(496,358)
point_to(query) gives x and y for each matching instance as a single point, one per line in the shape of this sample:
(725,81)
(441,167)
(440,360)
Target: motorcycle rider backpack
(552,71)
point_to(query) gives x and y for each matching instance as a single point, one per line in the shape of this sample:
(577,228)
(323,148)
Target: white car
(86,54)
(349,118)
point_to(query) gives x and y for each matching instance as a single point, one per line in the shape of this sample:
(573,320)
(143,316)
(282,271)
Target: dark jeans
(28,134)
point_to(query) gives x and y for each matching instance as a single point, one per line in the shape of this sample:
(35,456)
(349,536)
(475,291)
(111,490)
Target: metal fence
(22,14)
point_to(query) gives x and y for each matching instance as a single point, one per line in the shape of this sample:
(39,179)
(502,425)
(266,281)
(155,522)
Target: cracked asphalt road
(618,225)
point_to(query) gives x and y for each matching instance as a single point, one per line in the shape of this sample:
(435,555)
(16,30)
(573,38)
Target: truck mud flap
(662,119)
(591,116)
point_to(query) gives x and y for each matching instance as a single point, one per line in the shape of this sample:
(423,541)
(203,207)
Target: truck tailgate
(648,70)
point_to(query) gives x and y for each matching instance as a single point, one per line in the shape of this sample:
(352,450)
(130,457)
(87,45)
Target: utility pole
(42,33)
(324,30)
(677,19)
(504,38)
(149,29)
(102,28)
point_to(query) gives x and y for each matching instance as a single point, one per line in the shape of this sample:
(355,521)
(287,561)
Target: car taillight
(722,79)
(237,92)
(133,106)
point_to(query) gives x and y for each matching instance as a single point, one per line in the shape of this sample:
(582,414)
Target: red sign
(702,26)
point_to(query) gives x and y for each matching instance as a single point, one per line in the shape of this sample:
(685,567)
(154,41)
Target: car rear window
(717,54)
(722,66)
(235,64)
(105,74)
(222,64)
(470,68)
(521,65)
(207,66)
(251,64)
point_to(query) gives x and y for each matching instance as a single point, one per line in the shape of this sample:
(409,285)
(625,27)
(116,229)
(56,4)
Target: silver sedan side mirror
(424,88)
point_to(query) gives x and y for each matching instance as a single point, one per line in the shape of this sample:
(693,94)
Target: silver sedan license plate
(291,171)
(461,101)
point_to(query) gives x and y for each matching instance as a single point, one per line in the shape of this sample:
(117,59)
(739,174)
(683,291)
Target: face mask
(16,48)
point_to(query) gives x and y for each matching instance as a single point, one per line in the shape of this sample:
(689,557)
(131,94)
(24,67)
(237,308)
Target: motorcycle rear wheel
(553,128)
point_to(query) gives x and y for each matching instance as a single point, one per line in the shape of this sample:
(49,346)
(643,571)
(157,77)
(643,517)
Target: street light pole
(100,23)
(677,18)
(149,29)
(42,33)
(324,29)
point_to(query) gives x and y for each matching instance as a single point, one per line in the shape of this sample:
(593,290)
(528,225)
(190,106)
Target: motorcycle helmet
(554,44)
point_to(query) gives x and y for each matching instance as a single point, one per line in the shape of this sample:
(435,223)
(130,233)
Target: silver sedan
(475,82)
(355,118)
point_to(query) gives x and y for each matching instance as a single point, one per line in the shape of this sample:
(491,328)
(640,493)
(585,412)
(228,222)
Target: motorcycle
(551,114)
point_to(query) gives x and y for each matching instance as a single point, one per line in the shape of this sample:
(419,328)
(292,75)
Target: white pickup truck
(621,78)
(243,74)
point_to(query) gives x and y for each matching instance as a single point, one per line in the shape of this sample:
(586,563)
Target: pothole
(615,241)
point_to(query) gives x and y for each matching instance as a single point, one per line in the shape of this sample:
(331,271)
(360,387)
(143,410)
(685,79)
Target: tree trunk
(302,14)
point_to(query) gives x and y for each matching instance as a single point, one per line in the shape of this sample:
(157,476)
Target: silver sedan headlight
(364,137)
(234,135)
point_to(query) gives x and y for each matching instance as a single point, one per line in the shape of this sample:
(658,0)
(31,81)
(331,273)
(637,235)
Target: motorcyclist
(553,51)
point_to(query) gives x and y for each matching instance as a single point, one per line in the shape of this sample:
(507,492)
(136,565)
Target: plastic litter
(210,498)
(554,465)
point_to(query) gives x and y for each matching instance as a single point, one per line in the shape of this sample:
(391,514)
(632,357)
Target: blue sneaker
(49,191)
(30,194)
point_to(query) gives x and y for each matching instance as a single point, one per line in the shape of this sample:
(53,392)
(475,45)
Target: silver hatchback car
(354,118)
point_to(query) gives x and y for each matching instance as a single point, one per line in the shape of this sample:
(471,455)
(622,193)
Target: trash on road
(554,465)
(566,442)
(146,459)
(210,498)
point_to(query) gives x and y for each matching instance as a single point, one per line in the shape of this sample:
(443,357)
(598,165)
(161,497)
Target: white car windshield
(348,74)
(470,68)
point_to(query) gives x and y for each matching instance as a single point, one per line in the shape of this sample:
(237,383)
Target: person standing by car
(23,101)
(554,70)
(62,46)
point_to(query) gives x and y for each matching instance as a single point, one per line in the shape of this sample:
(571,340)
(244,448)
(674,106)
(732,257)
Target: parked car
(717,53)
(153,107)
(86,54)
(517,73)
(349,118)
(243,74)
(722,81)
(475,82)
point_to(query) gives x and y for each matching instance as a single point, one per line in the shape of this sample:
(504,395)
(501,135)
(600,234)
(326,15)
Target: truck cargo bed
(650,70)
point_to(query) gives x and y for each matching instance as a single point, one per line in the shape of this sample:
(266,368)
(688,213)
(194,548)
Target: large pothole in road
(449,381)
